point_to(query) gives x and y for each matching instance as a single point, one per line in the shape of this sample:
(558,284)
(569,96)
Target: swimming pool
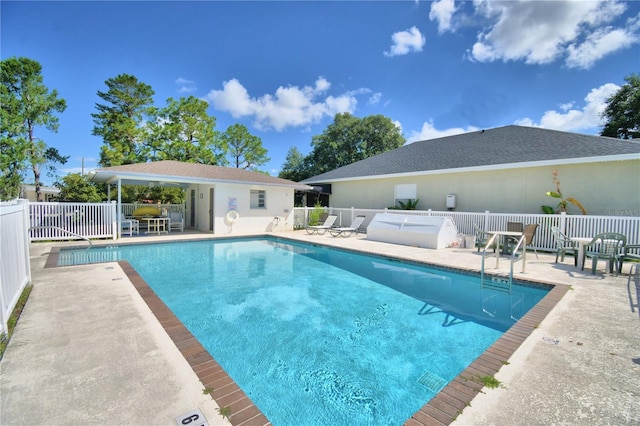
(328,336)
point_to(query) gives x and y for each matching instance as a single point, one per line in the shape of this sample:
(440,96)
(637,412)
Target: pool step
(432,382)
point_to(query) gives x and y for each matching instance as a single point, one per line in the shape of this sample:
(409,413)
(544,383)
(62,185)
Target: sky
(284,69)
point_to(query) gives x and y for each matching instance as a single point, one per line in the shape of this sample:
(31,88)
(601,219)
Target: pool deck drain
(595,326)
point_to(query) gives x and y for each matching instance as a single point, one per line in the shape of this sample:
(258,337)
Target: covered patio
(260,202)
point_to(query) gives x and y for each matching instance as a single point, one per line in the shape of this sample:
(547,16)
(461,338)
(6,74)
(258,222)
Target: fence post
(563,222)
(353,212)
(487,215)
(115,224)
(27,235)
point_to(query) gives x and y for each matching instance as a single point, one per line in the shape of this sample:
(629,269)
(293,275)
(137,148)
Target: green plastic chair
(564,245)
(607,246)
(630,253)
(482,238)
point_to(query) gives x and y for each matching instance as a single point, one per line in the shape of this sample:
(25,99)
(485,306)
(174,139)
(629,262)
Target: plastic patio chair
(321,229)
(606,246)
(564,244)
(130,226)
(482,238)
(630,252)
(176,222)
(348,230)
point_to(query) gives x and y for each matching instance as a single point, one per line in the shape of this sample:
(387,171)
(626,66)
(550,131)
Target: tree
(120,121)
(622,113)
(349,139)
(183,131)
(245,150)
(26,104)
(76,188)
(50,158)
(295,166)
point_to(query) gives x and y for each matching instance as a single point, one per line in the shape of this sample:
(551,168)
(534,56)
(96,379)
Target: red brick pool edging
(215,380)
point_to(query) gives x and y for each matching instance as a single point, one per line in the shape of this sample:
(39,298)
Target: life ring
(232,216)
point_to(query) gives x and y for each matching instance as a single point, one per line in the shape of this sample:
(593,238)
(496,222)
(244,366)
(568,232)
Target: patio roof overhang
(142,179)
(151,180)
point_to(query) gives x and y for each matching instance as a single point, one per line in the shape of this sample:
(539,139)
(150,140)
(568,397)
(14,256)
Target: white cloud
(575,119)
(598,45)
(541,32)
(290,106)
(185,86)
(374,99)
(405,42)
(442,11)
(428,131)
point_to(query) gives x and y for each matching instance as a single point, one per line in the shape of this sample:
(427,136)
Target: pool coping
(442,409)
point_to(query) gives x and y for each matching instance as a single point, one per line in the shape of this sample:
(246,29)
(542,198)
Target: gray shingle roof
(493,147)
(177,171)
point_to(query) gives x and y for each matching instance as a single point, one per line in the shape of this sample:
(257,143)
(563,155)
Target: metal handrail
(520,245)
(484,255)
(82,237)
(523,247)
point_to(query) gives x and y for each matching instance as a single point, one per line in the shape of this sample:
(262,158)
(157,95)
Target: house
(28,192)
(505,169)
(218,199)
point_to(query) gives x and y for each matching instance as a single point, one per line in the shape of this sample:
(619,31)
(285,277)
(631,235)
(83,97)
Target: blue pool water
(322,336)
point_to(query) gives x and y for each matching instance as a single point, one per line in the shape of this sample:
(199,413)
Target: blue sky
(284,69)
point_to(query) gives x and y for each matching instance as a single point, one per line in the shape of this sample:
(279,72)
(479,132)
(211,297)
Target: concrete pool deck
(88,349)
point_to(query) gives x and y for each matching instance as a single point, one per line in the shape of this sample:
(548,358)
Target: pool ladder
(501,286)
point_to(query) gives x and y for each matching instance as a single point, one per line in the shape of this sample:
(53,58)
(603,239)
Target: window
(257,199)
(405,193)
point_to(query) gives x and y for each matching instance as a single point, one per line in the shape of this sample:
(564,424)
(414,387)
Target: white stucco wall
(278,200)
(611,188)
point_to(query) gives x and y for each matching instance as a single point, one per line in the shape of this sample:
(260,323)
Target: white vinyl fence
(69,221)
(571,225)
(15,267)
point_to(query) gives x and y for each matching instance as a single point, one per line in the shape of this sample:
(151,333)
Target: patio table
(503,234)
(156,225)
(582,243)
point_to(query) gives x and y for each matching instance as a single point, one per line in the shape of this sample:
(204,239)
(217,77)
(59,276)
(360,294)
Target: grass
(13,319)
(225,412)
(490,382)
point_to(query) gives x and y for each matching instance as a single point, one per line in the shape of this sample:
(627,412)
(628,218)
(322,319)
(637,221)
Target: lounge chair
(348,230)
(564,244)
(176,221)
(607,246)
(321,229)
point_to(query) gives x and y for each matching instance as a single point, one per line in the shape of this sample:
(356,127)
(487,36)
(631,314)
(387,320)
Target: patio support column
(119,211)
